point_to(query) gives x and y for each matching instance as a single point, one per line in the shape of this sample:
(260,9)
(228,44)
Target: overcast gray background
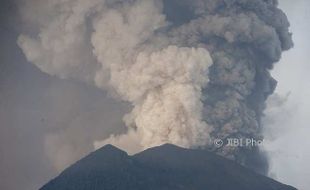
(42,116)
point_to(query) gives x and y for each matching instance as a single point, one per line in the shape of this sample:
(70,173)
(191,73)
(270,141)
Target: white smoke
(155,56)
(107,44)
(165,90)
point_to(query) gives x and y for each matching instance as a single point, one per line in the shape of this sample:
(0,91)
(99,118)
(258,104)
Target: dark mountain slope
(166,167)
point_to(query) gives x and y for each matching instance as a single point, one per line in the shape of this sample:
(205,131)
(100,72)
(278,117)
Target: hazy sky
(288,133)
(45,123)
(42,117)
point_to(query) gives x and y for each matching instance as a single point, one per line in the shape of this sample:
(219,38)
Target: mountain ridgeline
(166,167)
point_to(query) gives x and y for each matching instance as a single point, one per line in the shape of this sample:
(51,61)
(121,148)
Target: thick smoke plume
(193,71)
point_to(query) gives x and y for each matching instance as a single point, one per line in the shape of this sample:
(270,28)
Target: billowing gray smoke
(193,70)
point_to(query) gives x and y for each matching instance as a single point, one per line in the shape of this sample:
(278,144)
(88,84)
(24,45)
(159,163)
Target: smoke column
(193,71)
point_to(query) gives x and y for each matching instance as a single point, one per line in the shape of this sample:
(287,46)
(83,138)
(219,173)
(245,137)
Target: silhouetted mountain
(166,167)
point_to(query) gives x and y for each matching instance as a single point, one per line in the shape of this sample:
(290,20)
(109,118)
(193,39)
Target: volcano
(165,167)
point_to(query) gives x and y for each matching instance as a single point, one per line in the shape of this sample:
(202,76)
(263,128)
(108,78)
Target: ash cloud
(193,74)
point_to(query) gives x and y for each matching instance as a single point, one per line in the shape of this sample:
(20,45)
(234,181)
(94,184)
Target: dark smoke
(245,38)
(141,51)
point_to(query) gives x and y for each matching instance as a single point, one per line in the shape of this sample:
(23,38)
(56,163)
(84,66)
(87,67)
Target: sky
(287,123)
(46,123)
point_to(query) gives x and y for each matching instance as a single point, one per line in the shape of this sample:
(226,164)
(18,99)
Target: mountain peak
(110,149)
